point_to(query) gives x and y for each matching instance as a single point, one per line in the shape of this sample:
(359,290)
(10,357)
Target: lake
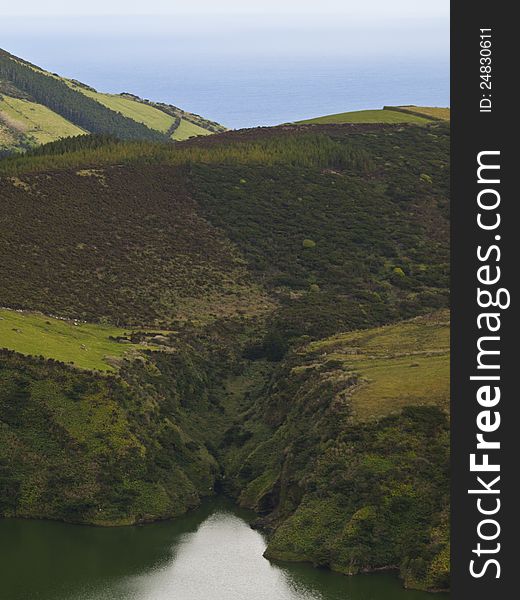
(208,554)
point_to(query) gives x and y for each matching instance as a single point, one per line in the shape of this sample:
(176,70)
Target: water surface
(209,554)
(245,72)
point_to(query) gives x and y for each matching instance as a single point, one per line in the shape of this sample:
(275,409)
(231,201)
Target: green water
(209,554)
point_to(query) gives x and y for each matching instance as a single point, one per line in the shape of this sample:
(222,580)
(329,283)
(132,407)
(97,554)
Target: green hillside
(261,312)
(186,129)
(430,112)
(399,365)
(38,107)
(170,120)
(101,450)
(132,262)
(349,442)
(138,111)
(416,115)
(84,345)
(35,121)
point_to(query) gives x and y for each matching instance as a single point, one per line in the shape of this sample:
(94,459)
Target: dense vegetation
(358,241)
(318,222)
(124,255)
(269,259)
(102,450)
(344,452)
(292,146)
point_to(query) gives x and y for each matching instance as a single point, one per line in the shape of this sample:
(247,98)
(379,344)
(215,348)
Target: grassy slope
(44,125)
(138,111)
(84,345)
(186,130)
(369,116)
(429,111)
(36,120)
(147,114)
(398,365)
(55,93)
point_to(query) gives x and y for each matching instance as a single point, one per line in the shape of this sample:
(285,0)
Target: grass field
(138,111)
(187,130)
(399,365)
(84,345)
(41,125)
(369,116)
(36,120)
(144,113)
(429,111)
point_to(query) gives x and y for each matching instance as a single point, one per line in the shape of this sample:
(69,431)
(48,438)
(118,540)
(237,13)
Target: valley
(259,313)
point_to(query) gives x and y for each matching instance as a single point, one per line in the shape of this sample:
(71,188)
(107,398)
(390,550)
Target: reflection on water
(210,554)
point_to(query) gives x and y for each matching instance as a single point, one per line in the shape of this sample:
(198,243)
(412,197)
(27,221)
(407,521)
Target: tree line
(74,106)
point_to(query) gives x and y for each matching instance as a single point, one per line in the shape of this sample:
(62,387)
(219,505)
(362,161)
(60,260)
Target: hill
(377,251)
(419,115)
(38,107)
(430,112)
(85,345)
(256,312)
(349,443)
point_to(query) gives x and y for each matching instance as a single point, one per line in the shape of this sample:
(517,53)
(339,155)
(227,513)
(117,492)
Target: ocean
(242,74)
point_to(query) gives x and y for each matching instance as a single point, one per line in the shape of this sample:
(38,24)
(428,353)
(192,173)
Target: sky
(226,58)
(363,28)
(370,9)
